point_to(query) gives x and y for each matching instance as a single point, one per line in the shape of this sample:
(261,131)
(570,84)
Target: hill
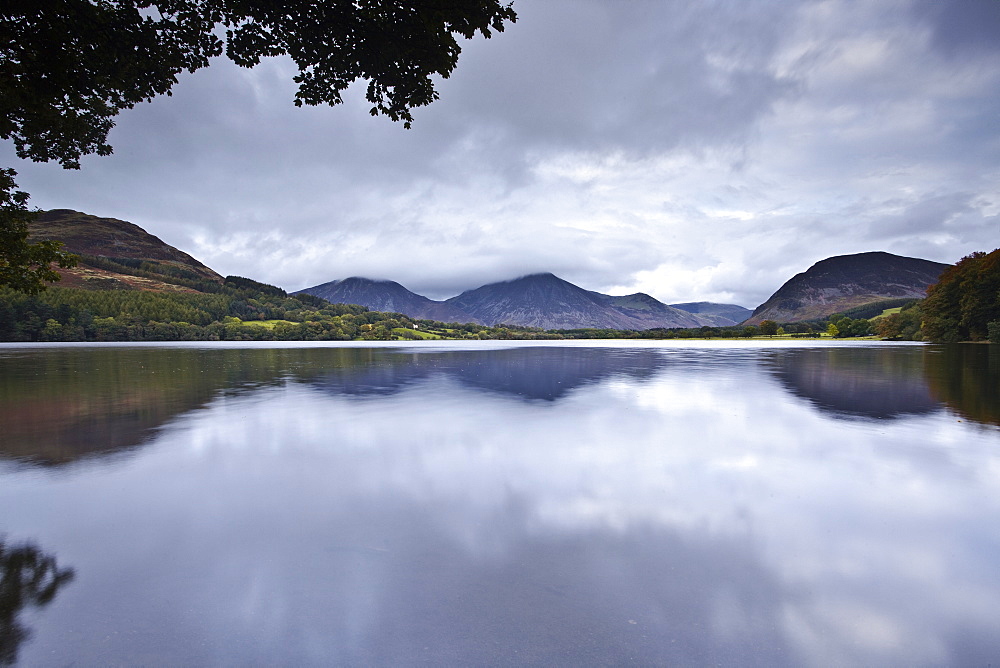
(388,296)
(115,254)
(549,302)
(839,283)
(721,315)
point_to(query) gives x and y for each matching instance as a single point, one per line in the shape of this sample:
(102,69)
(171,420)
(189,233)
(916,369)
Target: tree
(68,67)
(966,298)
(24,267)
(28,578)
(768,327)
(993,331)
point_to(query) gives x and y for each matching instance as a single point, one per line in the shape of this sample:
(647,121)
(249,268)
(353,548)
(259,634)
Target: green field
(406,332)
(267,324)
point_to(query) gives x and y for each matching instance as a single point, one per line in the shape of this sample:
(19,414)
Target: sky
(690,150)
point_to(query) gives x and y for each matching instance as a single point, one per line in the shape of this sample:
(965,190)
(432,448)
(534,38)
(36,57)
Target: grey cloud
(931,214)
(718,147)
(962,27)
(638,77)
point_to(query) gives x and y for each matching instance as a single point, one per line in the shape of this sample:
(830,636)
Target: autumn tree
(965,300)
(68,67)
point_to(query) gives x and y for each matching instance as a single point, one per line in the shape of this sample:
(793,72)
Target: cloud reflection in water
(655,509)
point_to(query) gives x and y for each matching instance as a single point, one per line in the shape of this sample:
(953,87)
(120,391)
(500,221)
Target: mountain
(722,315)
(549,302)
(845,281)
(387,296)
(538,300)
(115,254)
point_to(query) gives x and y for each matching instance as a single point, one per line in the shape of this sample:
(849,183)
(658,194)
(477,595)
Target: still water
(449,504)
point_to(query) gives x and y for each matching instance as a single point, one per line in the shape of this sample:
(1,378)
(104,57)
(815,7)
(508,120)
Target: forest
(239,310)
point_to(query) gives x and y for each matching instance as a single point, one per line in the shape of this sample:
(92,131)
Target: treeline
(245,311)
(161,271)
(63,314)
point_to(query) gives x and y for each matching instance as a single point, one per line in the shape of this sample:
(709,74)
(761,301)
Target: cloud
(689,150)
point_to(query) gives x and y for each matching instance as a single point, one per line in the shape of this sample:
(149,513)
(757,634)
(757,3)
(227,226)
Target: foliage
(240,283)
(873,309)
(24,266)
(768,327)
(960,306)
(993,331)
(844,327)
(901,326)
(68,67)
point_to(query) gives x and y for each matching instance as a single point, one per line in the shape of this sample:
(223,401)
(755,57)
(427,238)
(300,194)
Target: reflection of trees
(866,382)
(966,378)
(27,578)
(58,405)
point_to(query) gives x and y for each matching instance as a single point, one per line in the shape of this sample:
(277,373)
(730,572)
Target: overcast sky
(690,150)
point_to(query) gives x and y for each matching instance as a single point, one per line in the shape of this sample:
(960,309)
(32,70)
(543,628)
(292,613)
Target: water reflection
(63,404)
(967,379)
(526,506)
(545,374)
(856,381)
(60,404)
(28,578)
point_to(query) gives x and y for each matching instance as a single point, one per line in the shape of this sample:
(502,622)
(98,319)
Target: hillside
(115,254)
(549,302)
(388,296)
(721,315)
(839,283)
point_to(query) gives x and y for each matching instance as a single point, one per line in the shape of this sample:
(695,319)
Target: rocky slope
(388,296)
(722,315)
(845,281)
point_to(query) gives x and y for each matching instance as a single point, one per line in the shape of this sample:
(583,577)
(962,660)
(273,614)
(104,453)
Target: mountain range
(537,300)
(117,254)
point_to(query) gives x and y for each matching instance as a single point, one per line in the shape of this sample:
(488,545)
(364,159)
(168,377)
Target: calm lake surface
(446,504)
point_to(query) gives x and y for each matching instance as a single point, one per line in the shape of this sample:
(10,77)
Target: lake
(498,503)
